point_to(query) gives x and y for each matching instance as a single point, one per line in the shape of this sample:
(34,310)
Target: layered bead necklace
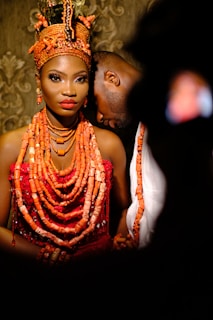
(89,175)
(62,135)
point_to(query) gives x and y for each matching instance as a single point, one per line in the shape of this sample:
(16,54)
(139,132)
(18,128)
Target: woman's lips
(67,104)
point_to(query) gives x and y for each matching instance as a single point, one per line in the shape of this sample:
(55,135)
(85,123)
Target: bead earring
(39,96)
(85,102)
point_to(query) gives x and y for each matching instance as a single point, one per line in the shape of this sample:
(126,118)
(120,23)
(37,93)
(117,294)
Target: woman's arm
(9,147)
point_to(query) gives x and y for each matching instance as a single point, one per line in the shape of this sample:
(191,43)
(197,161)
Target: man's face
(111,107)
(112,119)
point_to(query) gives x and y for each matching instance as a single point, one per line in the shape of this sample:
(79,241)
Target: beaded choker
(61,136)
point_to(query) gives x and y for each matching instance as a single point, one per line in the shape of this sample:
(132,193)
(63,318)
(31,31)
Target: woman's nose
(69,90)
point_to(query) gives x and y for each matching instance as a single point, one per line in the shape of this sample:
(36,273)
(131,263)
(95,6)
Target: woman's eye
(82,79)
(54,77)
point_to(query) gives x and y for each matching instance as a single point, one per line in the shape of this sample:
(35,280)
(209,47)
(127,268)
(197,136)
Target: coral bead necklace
(88,176)
(61,136)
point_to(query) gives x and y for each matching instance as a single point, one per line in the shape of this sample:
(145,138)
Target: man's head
(113,78)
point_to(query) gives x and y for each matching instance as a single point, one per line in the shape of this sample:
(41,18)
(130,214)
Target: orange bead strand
(139,189)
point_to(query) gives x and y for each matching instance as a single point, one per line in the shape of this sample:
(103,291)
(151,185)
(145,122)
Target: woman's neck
(59,122)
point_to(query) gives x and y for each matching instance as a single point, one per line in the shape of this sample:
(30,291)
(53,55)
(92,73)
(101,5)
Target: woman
(60,167)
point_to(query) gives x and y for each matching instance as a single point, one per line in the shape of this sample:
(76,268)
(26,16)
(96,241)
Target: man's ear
(112,77)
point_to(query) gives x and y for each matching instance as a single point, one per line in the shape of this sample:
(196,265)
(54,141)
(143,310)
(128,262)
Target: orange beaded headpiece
(68,37)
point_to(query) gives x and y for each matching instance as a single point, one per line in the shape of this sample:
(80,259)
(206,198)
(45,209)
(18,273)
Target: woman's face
(64,84)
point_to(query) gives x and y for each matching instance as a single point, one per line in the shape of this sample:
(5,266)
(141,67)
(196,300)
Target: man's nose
(99,117)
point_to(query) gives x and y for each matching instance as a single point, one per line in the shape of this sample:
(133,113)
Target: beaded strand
(120,242)
(62,135)
(139,188)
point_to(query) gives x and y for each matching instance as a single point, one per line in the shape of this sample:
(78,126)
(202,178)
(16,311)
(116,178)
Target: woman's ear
(112,77)
(39,97)
(38,81)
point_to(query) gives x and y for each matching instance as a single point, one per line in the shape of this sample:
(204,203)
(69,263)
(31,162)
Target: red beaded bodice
(65,220)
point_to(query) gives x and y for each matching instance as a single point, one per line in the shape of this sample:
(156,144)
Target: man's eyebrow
(118,111)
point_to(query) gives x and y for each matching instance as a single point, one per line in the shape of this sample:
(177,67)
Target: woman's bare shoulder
(10,142)
(109,143)
(107,135)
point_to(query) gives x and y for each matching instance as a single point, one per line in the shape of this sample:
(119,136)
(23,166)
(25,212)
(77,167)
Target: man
(113,79)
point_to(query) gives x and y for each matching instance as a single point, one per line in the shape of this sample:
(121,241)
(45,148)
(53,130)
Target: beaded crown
(61,30)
